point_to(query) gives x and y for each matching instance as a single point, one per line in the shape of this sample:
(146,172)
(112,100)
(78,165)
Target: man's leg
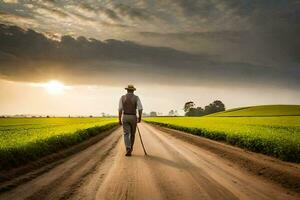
(133,130)
(127,132)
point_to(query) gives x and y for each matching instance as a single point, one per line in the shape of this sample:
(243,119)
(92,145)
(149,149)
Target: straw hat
(130,87)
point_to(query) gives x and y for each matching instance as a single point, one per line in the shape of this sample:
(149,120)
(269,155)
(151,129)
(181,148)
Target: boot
(128,152)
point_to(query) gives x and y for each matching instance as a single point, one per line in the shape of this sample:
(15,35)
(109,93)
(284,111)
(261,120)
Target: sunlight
(55,87)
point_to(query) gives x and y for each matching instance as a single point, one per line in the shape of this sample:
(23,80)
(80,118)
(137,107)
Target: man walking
(128,105)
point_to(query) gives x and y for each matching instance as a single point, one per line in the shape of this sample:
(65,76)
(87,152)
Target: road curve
(173,170)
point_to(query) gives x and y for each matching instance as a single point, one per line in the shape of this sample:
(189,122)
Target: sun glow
(55,87)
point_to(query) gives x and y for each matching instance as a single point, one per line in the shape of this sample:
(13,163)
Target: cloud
(11,1)
(100,10)
(44,10)
(194,7)
(231,36)
(132,12)
(26,55)
(269,44)
(11,18)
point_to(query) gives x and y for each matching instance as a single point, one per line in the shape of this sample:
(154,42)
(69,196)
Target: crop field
(261,111)
(26,139)
(278,136)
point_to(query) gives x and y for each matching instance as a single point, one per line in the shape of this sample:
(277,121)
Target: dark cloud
(132,12)
(271,40)
(209,8)
(231,36)
(30,56)
(195,7)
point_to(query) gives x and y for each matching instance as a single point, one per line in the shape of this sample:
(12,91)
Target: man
(128,105)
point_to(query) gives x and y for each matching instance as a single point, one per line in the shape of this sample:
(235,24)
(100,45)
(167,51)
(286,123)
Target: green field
(249,128)
(26,139)
(261,111)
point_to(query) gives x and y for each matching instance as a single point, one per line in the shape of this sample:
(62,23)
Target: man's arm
(120,117)
(120,111)
(140,116)
(140,109)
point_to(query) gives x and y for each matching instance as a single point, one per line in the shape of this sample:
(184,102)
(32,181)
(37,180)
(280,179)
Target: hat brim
(131,89)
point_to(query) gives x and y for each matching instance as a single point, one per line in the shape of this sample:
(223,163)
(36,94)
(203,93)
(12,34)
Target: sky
(241,52)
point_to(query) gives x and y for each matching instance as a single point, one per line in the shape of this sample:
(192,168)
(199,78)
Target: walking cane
(141,140)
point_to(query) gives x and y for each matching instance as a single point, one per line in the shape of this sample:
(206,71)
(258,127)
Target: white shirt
(139,104)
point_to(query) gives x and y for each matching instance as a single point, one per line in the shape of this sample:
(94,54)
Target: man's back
(129,102)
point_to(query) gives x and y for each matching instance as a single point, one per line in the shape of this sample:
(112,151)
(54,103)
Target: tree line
(190,108)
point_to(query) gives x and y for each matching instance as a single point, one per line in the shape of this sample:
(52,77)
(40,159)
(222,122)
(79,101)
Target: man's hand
(139,120)
(140,116)
(120,117)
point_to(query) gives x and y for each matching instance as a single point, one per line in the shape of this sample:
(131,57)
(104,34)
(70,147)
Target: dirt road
(173,170)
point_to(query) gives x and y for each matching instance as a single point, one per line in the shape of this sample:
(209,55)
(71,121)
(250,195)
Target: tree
(145,114)
(195,112)
(175,113)
(219,105)
(188,105)
(199,111)
(190,110)
(216,106)
(153,114)
(171,113)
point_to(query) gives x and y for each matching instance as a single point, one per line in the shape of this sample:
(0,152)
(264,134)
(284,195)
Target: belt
(129,113)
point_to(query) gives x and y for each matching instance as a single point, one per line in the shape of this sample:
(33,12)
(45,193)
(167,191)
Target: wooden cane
(141,140)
